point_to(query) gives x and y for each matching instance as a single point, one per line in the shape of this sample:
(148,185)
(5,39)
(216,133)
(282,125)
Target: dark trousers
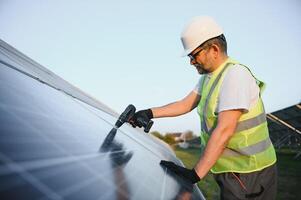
(255,185)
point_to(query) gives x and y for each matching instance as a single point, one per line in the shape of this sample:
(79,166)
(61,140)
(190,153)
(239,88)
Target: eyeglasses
(192,56)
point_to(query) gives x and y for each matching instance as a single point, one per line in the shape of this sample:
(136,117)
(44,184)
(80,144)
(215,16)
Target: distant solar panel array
(285,128)
(55,143)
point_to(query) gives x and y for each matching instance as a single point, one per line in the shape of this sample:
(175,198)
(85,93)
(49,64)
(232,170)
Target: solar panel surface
(55,143)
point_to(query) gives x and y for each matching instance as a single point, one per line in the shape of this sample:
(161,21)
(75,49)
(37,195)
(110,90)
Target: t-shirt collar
(217,70)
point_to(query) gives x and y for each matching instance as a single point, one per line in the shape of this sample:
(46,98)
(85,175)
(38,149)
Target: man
(238,150)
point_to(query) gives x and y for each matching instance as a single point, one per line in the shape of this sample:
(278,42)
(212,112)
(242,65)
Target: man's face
(199,58)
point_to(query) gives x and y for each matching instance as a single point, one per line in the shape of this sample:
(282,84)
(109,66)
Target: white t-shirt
(238,90)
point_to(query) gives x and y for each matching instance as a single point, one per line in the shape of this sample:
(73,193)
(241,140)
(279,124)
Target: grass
(207,185)
(289,173)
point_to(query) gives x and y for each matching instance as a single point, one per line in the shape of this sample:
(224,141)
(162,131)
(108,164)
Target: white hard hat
(197,31)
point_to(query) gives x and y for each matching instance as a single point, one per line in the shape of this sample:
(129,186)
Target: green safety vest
(250,148)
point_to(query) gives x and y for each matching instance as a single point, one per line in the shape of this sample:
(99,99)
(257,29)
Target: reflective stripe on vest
(251,123)
(250,148)
(242,125)
(204,125)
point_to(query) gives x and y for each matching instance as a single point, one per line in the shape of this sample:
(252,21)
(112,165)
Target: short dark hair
(219,41)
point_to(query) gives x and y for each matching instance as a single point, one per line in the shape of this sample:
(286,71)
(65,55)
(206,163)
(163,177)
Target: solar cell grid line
(148,175)
(141,143)
(113,152)
(27,124)
(71,138)
(50,162)
(133,174)
(23,110)
(91,192)
(69,97)
(51,81)
(139,172)
(142,188)
(120,130)
(43,163)
(30,111)
(79,185)
(142,171)
(100,176)
(83,105)
(21,72)
(119,184)
(76,187)
(94,113)
(24,72)
(132,138)
(42,173)
(58,147)
(31,179)
(22,121)
(125,133)
(47,116)
(66,188)
(145,140)
(15,60)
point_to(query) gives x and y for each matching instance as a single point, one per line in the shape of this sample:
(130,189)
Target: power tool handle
(148,126)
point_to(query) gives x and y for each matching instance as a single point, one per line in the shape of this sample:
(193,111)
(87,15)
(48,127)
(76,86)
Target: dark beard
(201,69)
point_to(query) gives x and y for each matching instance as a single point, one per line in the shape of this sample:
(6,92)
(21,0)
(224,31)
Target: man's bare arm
(227,122)
(177,108)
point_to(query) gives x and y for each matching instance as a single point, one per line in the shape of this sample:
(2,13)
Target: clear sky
(123,52)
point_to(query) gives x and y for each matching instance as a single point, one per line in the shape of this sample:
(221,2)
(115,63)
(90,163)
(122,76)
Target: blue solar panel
(55,143)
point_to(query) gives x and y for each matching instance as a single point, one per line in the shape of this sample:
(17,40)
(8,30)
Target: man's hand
(188,174)
(141,116)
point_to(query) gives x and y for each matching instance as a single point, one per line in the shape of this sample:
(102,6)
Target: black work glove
(141,116)
(188,174)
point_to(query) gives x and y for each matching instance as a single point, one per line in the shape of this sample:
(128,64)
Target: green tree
(158,135)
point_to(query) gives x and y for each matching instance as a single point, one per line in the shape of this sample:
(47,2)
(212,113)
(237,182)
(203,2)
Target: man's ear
(215,50)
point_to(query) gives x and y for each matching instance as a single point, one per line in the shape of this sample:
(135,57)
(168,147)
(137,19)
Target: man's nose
(192,61)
